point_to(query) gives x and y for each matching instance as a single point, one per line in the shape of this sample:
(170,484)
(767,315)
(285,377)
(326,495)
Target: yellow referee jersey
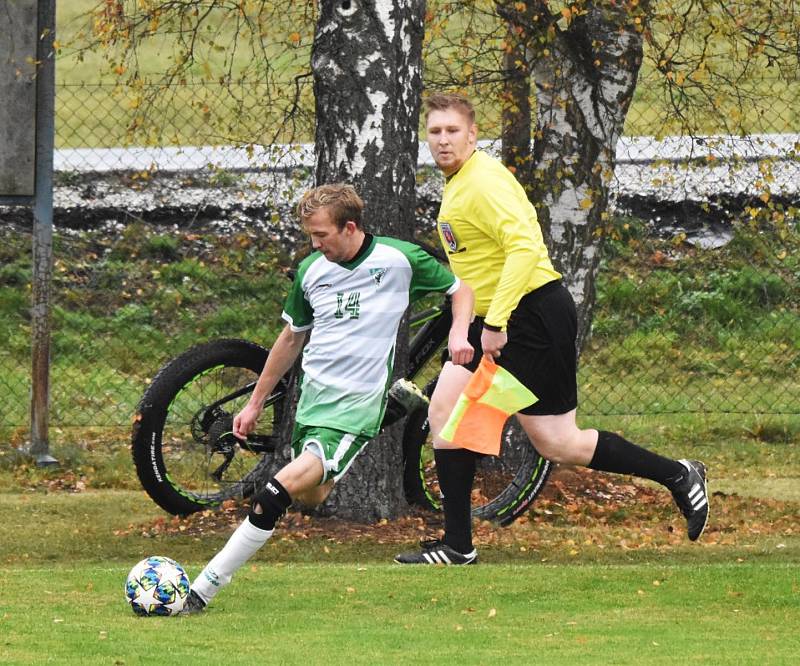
(492,237)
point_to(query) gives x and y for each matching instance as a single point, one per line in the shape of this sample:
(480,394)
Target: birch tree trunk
(585,77)
(367,65)
(585,60)
(367,69)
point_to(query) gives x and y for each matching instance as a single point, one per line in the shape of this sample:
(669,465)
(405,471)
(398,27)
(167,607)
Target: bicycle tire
(178,445)
(505,486)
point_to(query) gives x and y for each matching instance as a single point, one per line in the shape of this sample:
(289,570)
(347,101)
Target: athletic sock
(616,454)
(244,542)
(456,471)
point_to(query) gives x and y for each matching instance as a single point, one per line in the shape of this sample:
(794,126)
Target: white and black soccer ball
(157,586)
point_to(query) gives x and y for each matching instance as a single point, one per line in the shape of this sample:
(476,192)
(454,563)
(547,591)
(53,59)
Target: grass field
(551,591)
(724,613)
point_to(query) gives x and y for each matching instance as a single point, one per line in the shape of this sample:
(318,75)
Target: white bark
(367,82)
(367,74)
(584,87)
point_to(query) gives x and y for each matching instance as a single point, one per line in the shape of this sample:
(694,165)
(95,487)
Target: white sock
(242,545)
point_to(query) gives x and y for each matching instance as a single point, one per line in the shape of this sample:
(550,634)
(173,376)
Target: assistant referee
(526,319)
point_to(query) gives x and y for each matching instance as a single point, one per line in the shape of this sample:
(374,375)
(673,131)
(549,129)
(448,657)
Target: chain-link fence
(173,235)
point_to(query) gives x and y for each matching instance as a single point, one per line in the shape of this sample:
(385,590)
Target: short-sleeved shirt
(492,237)
(353,311)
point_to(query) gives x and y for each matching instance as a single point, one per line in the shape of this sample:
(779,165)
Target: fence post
(27,116)
(43,234)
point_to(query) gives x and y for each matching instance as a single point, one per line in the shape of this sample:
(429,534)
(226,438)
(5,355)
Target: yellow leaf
(492,612)
(587,203)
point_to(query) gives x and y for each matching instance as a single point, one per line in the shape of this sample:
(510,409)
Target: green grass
(552,590)
(123,305)
(726,613)
(195,109)
(714,331)
(584,578)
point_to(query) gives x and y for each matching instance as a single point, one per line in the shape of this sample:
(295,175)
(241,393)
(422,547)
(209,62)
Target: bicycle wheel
(504,486)
(185,455)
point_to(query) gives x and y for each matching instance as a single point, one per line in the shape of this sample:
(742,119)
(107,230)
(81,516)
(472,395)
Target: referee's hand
(492,342)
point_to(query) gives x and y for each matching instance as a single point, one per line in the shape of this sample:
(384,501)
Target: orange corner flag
(491,396)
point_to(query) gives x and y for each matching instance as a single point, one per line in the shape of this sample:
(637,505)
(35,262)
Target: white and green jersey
(353,311)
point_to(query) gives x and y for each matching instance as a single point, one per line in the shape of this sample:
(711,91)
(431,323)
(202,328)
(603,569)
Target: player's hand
(492,342)
(245,421)
(461,351)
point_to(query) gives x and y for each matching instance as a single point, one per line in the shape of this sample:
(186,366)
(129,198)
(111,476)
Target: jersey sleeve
(297,311)
(516,230)
(427,274)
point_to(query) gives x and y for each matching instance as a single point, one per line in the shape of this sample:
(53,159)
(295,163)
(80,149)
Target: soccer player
(526,320)
(346,302)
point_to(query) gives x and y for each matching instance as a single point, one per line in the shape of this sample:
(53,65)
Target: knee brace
(273,500)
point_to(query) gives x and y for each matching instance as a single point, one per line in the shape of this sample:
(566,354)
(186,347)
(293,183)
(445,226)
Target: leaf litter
(578,509)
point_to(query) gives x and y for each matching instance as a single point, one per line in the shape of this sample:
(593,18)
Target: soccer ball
(157,586)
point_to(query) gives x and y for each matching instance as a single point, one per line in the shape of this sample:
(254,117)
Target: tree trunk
(585,76)
(515,100)
(367,66)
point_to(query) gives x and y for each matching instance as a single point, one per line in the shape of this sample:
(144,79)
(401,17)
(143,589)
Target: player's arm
(463,302)
(281,358)
(428,275)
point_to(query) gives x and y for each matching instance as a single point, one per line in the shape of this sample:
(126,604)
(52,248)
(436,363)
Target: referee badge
(448,235)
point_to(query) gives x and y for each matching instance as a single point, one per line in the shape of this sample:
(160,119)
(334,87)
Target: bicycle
(188,460)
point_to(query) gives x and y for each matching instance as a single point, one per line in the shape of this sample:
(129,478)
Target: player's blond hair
(341,200)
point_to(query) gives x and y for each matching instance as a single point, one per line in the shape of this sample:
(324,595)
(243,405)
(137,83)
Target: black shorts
(540,351)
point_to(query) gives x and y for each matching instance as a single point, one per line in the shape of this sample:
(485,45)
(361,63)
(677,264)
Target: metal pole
(43,234)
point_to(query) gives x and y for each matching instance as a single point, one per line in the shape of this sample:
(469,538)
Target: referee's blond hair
(443,102)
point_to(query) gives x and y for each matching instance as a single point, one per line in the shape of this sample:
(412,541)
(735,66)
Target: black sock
(456,471)
(618,455)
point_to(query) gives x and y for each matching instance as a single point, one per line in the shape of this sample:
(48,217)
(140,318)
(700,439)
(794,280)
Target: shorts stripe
(344,445)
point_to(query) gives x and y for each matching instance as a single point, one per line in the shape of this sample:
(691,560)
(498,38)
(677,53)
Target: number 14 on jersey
(350,306)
